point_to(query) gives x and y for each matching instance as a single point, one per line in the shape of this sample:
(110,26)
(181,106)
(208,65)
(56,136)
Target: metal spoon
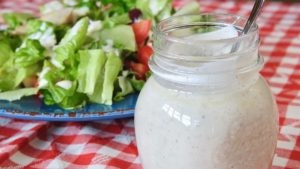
(252,18)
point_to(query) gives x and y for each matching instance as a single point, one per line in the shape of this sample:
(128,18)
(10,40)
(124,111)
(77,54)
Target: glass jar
(206,105)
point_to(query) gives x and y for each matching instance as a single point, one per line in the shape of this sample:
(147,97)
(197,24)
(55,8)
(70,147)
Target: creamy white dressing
(223,33)
(98,3)
(48,39)
(42,81)
(94,26)
(45,36)
(109,45)
(188,128)
(44,72)
(36,35)
(43,26)
(66,84)
(55,62)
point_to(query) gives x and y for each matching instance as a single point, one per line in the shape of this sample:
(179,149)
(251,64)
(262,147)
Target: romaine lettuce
(124,85)
(67,98)
(155,9)
(192,7)
(103,93)
(42,31)
(121,35)
(113,66)
(13,41)
(71,42)
(18,94)
(10,75)
(91,65)
(16,19)
(137,84)
(6,52)
(31,53)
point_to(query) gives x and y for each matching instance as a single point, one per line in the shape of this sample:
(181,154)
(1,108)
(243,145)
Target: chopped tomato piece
(140,70)
(141,31)
(144,54)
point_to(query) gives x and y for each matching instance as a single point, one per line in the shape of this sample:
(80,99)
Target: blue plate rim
(94,116)
(31,108)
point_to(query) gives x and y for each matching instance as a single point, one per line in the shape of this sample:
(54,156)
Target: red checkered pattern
(111,144)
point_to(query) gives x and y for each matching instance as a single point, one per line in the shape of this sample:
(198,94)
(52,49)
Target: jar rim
(210,63)
(160,32)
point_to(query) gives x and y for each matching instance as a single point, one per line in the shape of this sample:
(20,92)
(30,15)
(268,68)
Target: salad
(80,51)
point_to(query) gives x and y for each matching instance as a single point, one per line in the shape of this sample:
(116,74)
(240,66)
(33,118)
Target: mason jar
(206,106)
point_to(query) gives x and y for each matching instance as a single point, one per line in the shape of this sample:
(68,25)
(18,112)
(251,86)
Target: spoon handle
(252,18)
(253,15)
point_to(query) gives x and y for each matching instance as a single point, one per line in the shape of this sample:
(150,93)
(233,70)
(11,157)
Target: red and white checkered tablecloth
(111,144)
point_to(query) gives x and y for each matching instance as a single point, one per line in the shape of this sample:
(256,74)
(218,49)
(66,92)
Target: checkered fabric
(111,144)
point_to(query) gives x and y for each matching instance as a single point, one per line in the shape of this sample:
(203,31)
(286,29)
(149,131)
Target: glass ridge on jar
(205,106)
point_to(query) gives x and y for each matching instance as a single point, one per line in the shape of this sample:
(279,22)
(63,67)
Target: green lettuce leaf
(76,34)
(63,53)
(124,85)
(113,21)
(71,42)
(52,75)
(11,78)
(137,84)
(60,31)
(42,31)
(143,5)
(59,94)
(113,66)
(47,97)
(166,12)
(119,7)
(121,19)
(96,97)
(12,40)
(18,94)
(6,52)
(91,8)
(30,54)
(155,9)
(34,26)
(90,67)
(121,35)
(65,98)
(15,19)
(53,81)
(192,7)
(77,100)
(103,92)
(10,75)
(33,69)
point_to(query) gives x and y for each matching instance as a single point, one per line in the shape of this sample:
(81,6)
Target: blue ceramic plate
(33,108)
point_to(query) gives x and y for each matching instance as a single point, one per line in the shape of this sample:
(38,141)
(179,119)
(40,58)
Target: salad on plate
(80,51)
